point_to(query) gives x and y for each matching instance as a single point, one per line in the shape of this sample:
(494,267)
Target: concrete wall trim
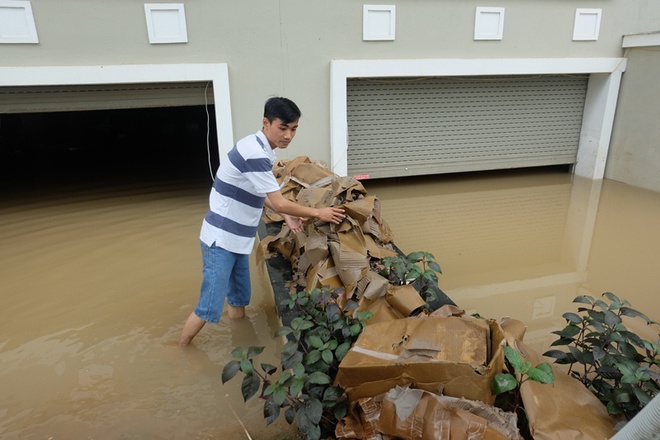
(216,73)
(641,40)
(594,142)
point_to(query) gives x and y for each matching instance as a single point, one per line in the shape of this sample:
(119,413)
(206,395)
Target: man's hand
(331,215)
(294,223)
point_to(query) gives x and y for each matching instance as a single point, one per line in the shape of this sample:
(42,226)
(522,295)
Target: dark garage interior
(98,148)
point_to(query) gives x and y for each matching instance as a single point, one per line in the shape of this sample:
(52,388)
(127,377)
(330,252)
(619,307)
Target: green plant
(406,269)
(318,338)
(618,366)
(519,372)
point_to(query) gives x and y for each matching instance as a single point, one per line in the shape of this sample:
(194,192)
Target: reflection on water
(524,244)
(95,286)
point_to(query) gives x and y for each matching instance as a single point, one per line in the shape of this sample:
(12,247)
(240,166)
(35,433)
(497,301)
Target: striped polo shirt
(238,195)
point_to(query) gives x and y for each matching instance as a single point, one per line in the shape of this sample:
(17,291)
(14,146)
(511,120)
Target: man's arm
(278,203)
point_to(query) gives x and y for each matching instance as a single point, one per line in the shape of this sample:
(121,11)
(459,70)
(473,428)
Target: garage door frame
(602,92)
(216,73)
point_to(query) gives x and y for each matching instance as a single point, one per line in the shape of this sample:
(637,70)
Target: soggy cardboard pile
(409,413)
(410,375)
(338,255)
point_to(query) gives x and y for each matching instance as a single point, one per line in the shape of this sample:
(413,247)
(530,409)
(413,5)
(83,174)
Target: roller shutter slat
(436,125)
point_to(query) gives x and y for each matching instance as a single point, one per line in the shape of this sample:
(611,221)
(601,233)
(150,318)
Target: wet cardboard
(450,355)
(564,410)
(406,413)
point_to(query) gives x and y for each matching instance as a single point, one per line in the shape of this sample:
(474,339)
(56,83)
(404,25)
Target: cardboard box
(454,356)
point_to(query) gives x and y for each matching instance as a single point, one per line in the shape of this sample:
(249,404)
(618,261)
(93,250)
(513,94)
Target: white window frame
(25,8)
(155,21)
(584,28)
(600,105)
(482,21)
(370,16)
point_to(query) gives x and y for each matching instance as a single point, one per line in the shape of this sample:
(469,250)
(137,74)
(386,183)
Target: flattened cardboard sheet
(564,410)
(451,353)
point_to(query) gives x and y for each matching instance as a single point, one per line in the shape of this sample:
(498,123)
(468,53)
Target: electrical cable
(208,131)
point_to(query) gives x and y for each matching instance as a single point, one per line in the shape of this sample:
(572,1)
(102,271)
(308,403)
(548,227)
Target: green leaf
(254,351)
(503,382)
(312,357)
(613,408)
(514,358)
(298,369)
(268,368)
(642,396)
(572,317)
(556,354)
(238,352)
(627,311)
(246,366)
(327,356)
(296,387)
(271,410)
(250,386)
(612,297)
(434,266)
(315,341)
(279,396)
(584,299)
(629,378)
(356,329)
(319,378)
(363,316)
(290,415)
(283,331)
(270,389)
(601,304)
(561,341)
(628,350)
(314,433)
(340,411)
(541,374)
(230,370)
(415,256)
(577,354)
(289,349)
(341,351)
(314,411)
(303,422)
(284,378)
(611,318)
(569,331)
(332,394)
(622,396)
(546,367)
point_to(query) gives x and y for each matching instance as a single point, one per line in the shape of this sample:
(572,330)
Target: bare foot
(190,329)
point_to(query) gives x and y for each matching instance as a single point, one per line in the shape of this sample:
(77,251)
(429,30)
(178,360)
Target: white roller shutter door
(434,125)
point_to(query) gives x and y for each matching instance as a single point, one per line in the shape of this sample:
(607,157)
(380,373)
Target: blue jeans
(226,275)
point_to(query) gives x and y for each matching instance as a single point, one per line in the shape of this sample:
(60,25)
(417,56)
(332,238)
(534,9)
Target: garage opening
(91,136)
(433,125)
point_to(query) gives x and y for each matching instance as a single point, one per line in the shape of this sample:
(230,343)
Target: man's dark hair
(282,108)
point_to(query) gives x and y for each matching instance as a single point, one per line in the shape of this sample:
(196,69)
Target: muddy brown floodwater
(95,285)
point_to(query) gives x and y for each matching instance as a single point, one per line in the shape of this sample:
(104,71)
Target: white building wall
(634,155)
(286,47)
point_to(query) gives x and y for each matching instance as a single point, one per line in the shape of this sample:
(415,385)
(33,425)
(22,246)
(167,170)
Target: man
(245,182)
